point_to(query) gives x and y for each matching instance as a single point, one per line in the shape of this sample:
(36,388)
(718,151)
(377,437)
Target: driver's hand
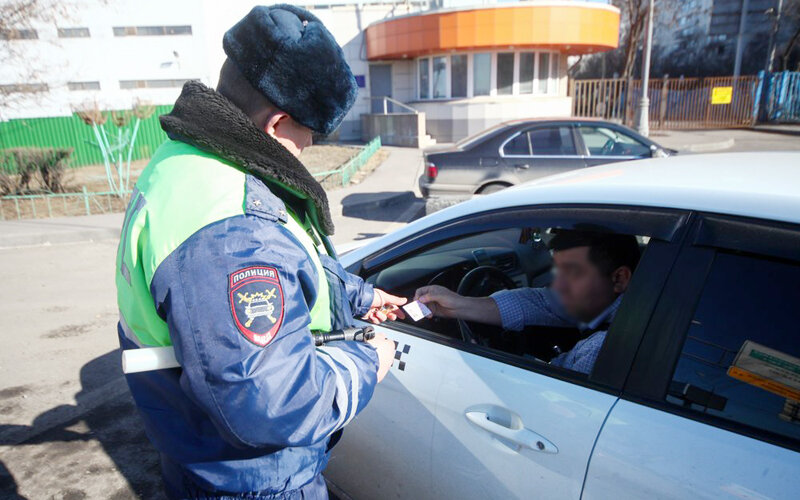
(441,301)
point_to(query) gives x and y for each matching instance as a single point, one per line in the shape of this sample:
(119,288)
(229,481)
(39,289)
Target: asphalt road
(68,427)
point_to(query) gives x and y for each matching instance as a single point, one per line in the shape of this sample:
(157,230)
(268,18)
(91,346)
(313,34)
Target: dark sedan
(517,151)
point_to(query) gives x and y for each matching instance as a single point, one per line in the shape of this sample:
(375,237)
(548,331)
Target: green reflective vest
(164,212)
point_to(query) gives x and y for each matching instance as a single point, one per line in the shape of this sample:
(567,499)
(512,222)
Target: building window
(544,72)
(18,34)
(554,72)
(458,75)
(526,66)
(505,73)
(439,77)
(424,79)
(83,85)
(471,75)
(23,88)
(73,32)
(151,84)
(481,74)
(152,30)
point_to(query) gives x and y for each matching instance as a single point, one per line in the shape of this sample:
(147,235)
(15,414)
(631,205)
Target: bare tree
(633,20)
(18,21)
(791,16)
(633,14)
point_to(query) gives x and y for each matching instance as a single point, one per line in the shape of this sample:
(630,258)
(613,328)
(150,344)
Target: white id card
(417,310)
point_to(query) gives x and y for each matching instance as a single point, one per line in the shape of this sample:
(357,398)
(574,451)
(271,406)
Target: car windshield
(469,141)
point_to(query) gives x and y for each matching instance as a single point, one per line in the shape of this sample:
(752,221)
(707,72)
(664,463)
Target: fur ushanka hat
(288,55)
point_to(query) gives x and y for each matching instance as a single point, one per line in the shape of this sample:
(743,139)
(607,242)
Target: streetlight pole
(737,65)
(643,109)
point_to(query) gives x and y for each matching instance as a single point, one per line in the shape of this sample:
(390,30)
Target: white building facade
(110,55)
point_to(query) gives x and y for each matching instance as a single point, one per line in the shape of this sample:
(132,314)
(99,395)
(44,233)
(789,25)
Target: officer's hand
(385,306)
(385,348)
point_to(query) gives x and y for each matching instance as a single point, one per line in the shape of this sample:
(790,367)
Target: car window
(603,141)
(522,259)
(741,357)
(517,146)
(552,141)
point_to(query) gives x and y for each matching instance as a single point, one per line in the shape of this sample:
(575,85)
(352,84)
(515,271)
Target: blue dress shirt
(540,306)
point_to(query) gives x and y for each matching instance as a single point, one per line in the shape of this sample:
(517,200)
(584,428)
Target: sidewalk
(385,200)
(693,141)
(34,232)
(765,137)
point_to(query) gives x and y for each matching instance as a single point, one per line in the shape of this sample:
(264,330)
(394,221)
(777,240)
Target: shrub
(21,165)
(51,165)
(7,173)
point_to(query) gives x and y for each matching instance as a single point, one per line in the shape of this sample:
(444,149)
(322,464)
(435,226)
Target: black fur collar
(207,120)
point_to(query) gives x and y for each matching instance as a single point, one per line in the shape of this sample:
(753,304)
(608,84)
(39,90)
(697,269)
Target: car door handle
(521,437)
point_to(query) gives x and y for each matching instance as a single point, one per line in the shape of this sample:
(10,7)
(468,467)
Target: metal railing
(342,175)
(35,206)
(604,98)
(386,100)
(675,103)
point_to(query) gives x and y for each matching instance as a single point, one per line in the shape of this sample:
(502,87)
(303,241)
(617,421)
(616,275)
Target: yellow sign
(721,95)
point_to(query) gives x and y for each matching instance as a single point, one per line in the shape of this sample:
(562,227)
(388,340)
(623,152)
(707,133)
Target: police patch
(256,299)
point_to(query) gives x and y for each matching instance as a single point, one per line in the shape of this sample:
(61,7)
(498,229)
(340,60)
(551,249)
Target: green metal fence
(342,175)
(33,206)
(71,132)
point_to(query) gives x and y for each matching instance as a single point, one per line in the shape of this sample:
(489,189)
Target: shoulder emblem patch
(256,300)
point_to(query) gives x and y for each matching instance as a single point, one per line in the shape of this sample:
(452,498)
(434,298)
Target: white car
(695,391)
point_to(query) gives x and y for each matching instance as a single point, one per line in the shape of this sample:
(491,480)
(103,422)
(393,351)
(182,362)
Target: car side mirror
(657,152)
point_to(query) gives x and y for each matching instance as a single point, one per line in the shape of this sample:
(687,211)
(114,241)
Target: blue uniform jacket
(239,417)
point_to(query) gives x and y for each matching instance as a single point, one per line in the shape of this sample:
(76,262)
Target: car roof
(764,185)
(492,132)
(557,119)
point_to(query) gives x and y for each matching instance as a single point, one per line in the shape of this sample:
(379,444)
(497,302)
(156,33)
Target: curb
(377,202)
(413,212)
(709,146)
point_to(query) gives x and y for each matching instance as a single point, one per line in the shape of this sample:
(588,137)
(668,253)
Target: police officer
(224,255)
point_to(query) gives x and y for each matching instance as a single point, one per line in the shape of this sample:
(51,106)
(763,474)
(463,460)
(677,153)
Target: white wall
(105,58)
(108,59)
(452,120)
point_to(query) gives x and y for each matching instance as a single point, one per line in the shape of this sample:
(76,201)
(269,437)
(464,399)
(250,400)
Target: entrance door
(380,85)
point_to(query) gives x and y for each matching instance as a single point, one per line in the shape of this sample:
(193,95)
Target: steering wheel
(608,147)
(480,282)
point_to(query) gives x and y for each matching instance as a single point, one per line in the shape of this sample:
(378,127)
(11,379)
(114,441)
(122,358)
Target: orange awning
(569,29)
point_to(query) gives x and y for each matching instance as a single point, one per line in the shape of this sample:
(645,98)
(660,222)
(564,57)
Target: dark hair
(233,85)
(607,251)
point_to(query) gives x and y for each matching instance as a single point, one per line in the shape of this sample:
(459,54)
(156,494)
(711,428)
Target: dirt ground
(318,158)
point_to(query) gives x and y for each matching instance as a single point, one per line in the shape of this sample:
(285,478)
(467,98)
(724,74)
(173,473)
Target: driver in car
(592,272)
